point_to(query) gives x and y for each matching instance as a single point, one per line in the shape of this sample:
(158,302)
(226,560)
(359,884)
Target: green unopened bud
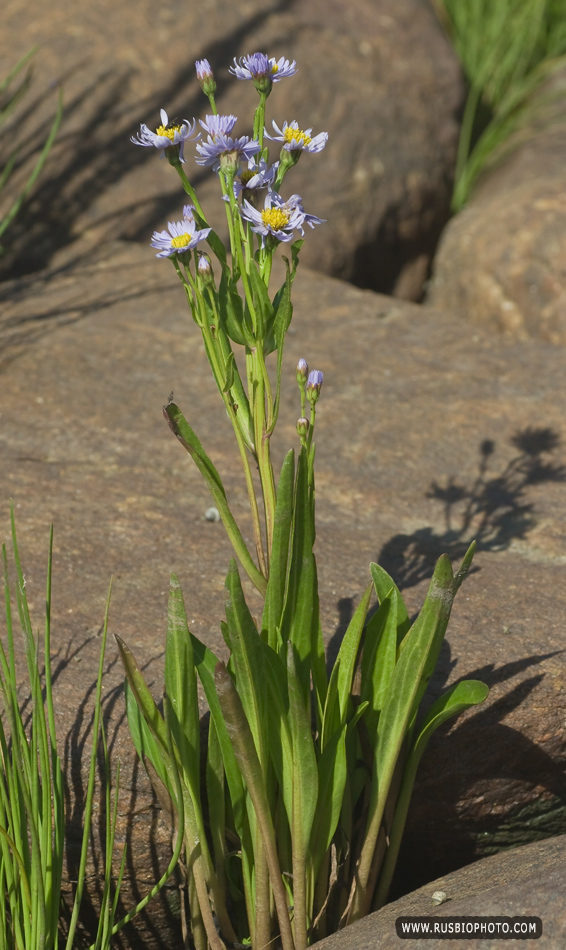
(230,163)
(288,158)
(303,426)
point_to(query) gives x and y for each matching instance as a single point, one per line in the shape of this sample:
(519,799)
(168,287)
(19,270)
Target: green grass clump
(508,49)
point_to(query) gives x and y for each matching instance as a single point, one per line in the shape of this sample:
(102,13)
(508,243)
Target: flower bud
(204,269)
(205,77)
(302,372)
(303,426)
(230,162)
(314,384)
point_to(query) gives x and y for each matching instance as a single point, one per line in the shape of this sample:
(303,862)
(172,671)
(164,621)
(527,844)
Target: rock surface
(501,261)
(430,432)
(380,77)
(528,881)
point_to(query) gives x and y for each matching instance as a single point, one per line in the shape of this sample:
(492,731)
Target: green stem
(262,442)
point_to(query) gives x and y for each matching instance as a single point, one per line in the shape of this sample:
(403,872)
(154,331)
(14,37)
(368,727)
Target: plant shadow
(444,831)
(493,509)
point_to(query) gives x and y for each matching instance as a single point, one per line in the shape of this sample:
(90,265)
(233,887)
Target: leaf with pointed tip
(340,685)
(189,440)
(247,659)
(455,700)
(380,655)
(300,616)
(276,585)
(383,583)
(406,687)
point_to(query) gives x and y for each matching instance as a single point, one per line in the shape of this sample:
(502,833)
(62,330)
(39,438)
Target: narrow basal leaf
(280,743)
(380,656)
(305,795)
(455,700)
(383,583)
(189,440)
(332,775)
(276,585)
(247,658)
(206,662)
(300,619)
(248,761)
(142,695)
(340,685)
(405,688)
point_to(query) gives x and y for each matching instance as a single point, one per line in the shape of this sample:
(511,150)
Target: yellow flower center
(183,240)
(168,131)
(298,135)
(274,69)
(246,175)
(275,218)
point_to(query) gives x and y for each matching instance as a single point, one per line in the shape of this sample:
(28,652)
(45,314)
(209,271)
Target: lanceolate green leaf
(142,695)
(455,700)
(406,687)
(383,584)
(247,658)
(380,655)
(339,688)
(248,761)
(305,796)
(300,616)
(275,593)
(189,440)
(206,662)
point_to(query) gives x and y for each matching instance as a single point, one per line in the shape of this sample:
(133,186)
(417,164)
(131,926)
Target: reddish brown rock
(500,263)
(379,77)
(525,882)
(429,432)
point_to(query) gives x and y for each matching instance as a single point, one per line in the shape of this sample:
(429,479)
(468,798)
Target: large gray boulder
(379,77)
(500,262)
(524,882)
(430,432)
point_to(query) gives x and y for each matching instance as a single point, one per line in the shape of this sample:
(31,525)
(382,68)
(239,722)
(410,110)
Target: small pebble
(212,514)
(439,897)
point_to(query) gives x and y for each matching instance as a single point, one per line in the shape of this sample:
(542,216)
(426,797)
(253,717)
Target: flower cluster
(242,163)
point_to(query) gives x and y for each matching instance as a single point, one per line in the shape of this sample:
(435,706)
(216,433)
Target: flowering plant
(293,811)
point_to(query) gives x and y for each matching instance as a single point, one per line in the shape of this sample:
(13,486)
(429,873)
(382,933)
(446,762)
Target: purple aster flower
(218,124)
(294,138)
(255,176)
(263,69)
(168,134)
(224,151)
(295,203)
(180,237)
(279,218)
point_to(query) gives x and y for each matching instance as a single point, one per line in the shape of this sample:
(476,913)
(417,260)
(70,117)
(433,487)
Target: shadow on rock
(493,509)
(458,813)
